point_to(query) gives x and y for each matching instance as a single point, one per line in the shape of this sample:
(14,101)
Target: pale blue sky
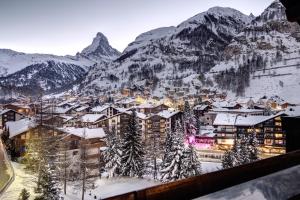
(67,26)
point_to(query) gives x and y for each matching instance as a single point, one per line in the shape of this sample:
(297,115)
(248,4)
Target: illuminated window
(278,141)
(278,123)
(278,135)
(268,142)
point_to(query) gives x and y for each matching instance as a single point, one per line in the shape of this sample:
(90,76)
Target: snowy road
(21,181)
(6,171)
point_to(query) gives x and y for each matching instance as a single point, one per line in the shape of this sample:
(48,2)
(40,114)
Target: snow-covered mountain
(169,54)
(263,59)
(100,49)
(221,49)
(28,73)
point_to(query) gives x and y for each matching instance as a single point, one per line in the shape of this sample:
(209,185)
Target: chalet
(119,122)
(23,109)
(9,115)
(148,108)
(90,140)
(225,130)
(62,110)
(59,120)
(81,110)
(268,129)
(90,120)
(161,123)
(21,131)
(127,103)
(107,110)
(199,110)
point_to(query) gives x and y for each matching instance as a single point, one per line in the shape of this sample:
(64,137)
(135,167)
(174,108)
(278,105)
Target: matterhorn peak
(100,48)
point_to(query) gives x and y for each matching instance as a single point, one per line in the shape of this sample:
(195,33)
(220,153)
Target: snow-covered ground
(104,187)
(210,166)
(22,180)
(110,187)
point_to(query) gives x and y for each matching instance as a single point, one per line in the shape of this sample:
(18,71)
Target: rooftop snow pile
(17,127)
(86,132)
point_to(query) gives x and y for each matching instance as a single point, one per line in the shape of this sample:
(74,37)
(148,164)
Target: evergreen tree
(24,195)
(191,162)
(227,160)
(242,156)
(173,167)
(133,153)
(189,120)
(113,154)
(243,151)
(252,147)
(48,186)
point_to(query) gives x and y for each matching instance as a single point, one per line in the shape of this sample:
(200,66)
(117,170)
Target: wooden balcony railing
(208,183)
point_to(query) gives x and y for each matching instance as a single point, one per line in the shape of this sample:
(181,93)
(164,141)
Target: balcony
(271,172)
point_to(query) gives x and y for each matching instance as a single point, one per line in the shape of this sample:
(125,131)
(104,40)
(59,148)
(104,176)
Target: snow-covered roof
(141,115)
(200,107)
(239,120)
(146,105)
(250,120)
(242,110)
(293,111)
(89,133)
(17,127)
(4,111)
(66,118)
(225,119)
(122,109)
(127,101)
(167,113)
(91,117)
(61,110)
(100,108)
(81,108)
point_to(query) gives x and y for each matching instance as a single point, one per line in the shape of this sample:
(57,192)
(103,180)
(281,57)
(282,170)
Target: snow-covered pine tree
(242,157)
(235,152)
(252,144)
(173,164)
(227,160)
(48,186)
(24,195)
(191,162)
(243,151)
(113,154)
(186,111)
(132,149)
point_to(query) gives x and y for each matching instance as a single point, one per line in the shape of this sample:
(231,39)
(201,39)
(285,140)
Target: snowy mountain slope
(26,73)
(264,59)
(12,61)
(169,54)
(221,49)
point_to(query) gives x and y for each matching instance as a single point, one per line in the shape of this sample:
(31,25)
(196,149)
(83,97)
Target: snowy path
(6,171)
(104,187)
(21,181)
